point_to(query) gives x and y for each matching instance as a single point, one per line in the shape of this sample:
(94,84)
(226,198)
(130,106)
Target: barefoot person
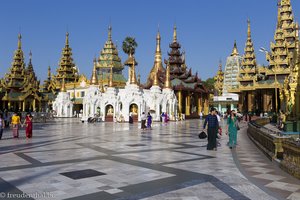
(28,123)
(232,122)
(212,126)
(15,122)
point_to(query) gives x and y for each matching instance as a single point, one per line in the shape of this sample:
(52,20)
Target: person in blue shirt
(212,126)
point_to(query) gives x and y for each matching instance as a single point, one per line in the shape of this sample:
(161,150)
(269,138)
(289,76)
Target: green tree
(209,84)
(129,45)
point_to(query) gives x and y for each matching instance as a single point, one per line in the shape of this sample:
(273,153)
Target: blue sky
(206,30)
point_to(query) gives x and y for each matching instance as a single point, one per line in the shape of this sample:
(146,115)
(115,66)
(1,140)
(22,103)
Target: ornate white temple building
(106,97)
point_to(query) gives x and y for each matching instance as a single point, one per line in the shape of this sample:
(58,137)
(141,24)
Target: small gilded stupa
(108,59)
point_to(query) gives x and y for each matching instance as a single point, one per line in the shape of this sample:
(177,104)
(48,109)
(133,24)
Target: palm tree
(129,45)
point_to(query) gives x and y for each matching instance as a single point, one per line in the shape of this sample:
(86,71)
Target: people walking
(149,120)
(201,115)
(15,122)
(212,126)
(2,125)
(232,124)
(28,123)
(143,121)
(163,116)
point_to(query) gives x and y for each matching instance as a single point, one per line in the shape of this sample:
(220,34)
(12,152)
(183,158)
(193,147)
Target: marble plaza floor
(70,160)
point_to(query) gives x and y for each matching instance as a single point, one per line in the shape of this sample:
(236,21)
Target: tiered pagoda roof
(247,72)
(15,78)
(67,68)
(282,49)
(20,82)
(109,58)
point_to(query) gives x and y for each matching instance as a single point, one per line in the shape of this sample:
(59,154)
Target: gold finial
(249,29)
(67,38)
(110,84)
(19,41)
(109,32)
(175,34)
(133,77)
(94,79)
(49,72)
(158,42)
(234,51)
(168,83)
(63,86)
(220,65)
(278,13)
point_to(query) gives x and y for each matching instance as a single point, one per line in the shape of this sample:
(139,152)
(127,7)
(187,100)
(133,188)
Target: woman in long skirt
(28,122)
(149,121)
(15,122)
(232,129)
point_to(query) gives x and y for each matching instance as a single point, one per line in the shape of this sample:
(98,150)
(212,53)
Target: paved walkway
(71,160)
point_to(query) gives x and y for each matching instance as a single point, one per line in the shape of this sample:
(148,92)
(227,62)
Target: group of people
(145,118)
(212,121)
(15,122)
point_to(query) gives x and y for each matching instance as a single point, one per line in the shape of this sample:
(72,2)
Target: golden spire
(67,39)
(234,51)
(63,86)
(109,33)
(94,79)
(168,80)
(175,34)
(19,41)
(278,14)
(49,72)
(110,84)
(133,77)
(139,79)
(249,29)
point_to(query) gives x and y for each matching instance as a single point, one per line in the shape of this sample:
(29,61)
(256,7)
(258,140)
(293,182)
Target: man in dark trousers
(212,126)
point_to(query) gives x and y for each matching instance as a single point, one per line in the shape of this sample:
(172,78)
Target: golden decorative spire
(109,33)
(49,72)
(67,39)
(168,83)
(139,79)
(94,79)
(175,34)
(19,41)
(110,84)
(234,51)
(220,65)
(63,85)
(133,77)
(155,81)
(249,29)
(278,14)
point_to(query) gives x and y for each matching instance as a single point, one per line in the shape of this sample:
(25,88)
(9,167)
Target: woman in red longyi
(28,122)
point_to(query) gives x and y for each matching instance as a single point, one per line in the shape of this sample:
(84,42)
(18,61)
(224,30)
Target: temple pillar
(33,105)
(20,106)
(23,107)
(199,104)
(180,102)
(187,105)
(250,101)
